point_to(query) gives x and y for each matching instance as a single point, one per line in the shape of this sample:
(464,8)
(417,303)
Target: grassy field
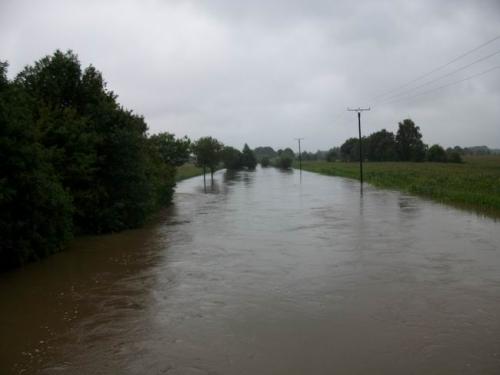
(475,184)
(187,171)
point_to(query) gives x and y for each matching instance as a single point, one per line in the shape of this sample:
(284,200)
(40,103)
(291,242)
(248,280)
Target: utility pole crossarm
(358,109)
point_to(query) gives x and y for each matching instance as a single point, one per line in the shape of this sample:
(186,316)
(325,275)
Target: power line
(441,77)
(444,86)
(437,69)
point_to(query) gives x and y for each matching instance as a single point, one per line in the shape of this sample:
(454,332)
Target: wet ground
(266,273)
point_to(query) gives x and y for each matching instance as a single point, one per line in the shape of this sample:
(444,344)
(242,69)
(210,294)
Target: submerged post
(359,110)
(300,155)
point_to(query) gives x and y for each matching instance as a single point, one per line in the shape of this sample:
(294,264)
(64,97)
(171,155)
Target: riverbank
(474,184)
(187,170)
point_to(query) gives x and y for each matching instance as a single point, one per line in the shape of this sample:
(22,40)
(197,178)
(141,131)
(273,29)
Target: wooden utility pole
(359,110)
(300,154)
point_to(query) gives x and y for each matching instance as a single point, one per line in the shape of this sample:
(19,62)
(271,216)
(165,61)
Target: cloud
(264,72)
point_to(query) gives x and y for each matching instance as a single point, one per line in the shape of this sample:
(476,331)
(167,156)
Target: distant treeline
(405,145)
(383,145)
(282,158)
(74,161)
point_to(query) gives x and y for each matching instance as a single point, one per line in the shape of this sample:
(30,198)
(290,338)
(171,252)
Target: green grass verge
(187,171)
(474,184)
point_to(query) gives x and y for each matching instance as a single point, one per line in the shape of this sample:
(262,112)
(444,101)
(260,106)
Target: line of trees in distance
(283,158)
(210,154)
(380,146)
(405,145)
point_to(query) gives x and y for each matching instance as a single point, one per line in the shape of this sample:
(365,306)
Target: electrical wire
(441,77)
(444,86)
(398,88)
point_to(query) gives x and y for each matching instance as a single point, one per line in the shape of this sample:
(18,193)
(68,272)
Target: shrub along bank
(74,161)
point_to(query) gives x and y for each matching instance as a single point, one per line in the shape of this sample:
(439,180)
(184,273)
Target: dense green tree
(409,142)
(173,151)
(284,158)
(248,159)
(266,151)
(208,153)
(284,161)
(73,159)
(436,153)
(308,155)
(349,151)
(332,155)
(381,146)
(35,209)
(265,162)
(287,152)
(453,157)
(232,158)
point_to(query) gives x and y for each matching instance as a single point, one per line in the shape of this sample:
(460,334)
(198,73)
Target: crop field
(474,184)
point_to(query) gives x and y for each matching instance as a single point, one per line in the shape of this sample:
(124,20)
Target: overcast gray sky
(264,72)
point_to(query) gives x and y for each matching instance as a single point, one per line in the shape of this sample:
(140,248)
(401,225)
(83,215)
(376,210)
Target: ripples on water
(266,273)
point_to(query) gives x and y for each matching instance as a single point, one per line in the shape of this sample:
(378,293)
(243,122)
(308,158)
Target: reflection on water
(266,274)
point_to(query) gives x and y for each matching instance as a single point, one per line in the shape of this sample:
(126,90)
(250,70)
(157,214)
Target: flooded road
(266,274)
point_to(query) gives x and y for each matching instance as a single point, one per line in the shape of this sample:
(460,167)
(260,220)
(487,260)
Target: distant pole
(300,154)
(359,110)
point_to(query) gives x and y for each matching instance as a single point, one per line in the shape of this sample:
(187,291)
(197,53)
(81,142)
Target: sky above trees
(265,72)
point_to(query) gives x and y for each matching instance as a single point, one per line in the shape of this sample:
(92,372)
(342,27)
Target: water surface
(266,273)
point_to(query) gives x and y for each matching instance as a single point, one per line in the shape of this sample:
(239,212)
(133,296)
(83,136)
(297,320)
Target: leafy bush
(284,161)
(454,157)
(248,159)
(436,153)
(74,160)
(265,162)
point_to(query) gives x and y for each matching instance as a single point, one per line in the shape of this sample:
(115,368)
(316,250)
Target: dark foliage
(349,151)
(265,162)
(248,159)
(262,152)
(74,160)
(208,153)
(332,154)
(284,161)
(381,146)
(453,157)
(436,153)
(232,158)
(409,141)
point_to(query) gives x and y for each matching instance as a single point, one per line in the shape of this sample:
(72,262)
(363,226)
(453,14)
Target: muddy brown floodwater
(266,274)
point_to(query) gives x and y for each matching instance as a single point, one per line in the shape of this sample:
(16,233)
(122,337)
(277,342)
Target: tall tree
(349,151)
(332,154)
(248,159)
(381,146)
(436,153)
(208,153)
(231,157)
(409,142)
(35,209)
